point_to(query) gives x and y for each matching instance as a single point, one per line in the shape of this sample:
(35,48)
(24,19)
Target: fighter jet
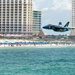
(58,28)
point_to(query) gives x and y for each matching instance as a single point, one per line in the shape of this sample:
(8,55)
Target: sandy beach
(39,46)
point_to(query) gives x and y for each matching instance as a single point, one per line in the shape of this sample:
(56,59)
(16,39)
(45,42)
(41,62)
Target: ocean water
(37,61)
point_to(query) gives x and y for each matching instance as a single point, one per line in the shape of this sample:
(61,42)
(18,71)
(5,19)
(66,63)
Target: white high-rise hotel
(16,16)
(73,17)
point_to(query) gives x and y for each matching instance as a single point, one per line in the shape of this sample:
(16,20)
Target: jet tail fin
(66,25)
(60,23)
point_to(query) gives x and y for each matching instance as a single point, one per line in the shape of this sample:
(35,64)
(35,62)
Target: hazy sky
(53,12)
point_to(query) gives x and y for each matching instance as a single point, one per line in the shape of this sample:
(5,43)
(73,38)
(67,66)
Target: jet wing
(64,27)
(59,27)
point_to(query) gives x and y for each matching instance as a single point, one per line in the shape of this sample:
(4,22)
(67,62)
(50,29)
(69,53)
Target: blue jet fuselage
(56,28)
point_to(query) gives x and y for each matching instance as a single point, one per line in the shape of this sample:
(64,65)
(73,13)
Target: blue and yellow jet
(58,28)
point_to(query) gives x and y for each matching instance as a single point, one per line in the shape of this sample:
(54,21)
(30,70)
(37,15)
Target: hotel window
(3,11)
(20,5)
(15,25)
(15,14)
(19,29)
(19,22)
(11,24)
(3,1)
(12,5)
(3,5)
(7,5)
(7,14)
(3,29)
(7,19)
(11,14)
(3,14)
(7,29)
(15,5)
(11,1)
(15,1)
(20,10)
(7,1)
(20,1)
(7,9)
(15,29)
(11,29)
(20,14)
(20,19)
(15,11)
(11,10)
(16,22)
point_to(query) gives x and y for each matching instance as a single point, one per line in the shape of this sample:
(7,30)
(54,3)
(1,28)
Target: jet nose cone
(43,27)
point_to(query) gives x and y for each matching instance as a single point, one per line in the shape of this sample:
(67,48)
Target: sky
(53,12)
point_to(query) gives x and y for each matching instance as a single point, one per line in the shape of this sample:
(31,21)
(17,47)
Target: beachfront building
(16,17)
(36,21)
(73,17)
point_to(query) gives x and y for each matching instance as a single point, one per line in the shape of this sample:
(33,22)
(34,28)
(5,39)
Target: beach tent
(6,41)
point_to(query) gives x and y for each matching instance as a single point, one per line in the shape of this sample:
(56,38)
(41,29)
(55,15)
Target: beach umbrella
(24,42)
(6,42)
(0,42)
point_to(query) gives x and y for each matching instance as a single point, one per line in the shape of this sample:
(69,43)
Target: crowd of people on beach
(18,43)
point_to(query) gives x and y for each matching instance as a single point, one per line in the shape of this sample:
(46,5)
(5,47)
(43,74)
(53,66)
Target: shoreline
(35,46)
